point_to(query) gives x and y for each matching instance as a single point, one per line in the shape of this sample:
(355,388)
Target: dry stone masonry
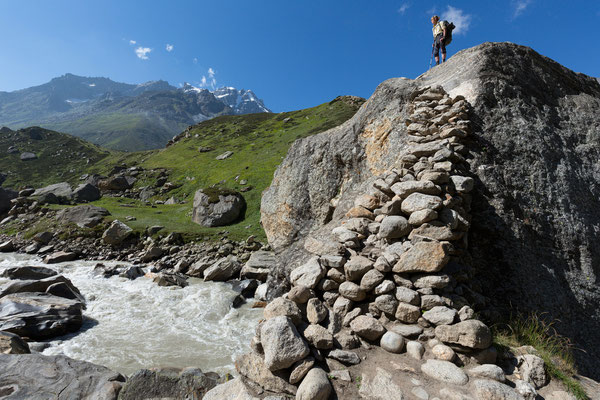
(397,277)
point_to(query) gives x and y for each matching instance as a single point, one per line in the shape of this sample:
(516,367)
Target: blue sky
(293,54)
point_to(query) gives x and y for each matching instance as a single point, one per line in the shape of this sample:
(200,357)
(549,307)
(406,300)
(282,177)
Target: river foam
(137,324)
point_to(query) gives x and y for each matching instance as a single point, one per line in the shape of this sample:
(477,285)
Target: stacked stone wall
(396,275)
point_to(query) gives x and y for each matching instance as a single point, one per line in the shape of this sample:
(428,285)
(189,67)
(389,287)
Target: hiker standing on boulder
(439,37)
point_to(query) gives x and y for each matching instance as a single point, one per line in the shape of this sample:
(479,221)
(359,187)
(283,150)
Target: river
(136,324)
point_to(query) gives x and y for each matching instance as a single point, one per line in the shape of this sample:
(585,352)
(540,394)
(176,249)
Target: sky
(293,54)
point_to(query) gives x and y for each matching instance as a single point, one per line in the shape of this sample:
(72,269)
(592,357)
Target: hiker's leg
(443,46)
(436,51)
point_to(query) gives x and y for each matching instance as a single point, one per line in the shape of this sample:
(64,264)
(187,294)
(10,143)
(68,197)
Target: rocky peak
(532,154)
(242,101)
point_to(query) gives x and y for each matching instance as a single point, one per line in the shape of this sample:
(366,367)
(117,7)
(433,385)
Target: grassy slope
(259,143)
(61,157)
(129,132)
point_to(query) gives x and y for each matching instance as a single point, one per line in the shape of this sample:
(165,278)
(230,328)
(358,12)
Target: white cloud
(520,7)
(403,8)
(211,81)
(195,60)
(142,52)
(132,42)
(461,20)
(169,47)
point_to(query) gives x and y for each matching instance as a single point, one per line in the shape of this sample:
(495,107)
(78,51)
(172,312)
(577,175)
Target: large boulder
(28,273)
(85,216)
(62,191)
(12,344)
(259,265)
(39,315)
(86,192)
(222,270)
(40,285)
(172,383)
(533,240)
(252,367)
(27,156)
(282,344)
(115,183)
(217,207)
(472,334)
(117,233)
(6,195)
(35,376)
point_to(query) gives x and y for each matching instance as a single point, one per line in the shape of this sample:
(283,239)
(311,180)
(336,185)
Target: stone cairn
(396,277)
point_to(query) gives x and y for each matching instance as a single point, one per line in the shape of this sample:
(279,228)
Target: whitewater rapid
(136,324)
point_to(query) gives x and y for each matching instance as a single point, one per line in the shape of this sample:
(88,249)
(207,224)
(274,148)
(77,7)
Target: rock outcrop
(217,207)
(531,158)
(34,376)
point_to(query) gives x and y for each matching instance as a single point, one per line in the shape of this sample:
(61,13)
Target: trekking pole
(431,58)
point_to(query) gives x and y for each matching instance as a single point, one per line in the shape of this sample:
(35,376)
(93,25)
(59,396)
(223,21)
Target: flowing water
(136,324)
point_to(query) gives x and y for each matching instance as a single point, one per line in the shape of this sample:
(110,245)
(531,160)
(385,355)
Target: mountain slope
(60,157)
(258,142)
(534,154)
(118,115)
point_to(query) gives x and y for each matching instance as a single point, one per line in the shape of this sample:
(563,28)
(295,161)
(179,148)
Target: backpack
(449,28)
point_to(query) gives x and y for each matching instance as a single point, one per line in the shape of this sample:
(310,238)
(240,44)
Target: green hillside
(60,157)
(128,132)
(258,141)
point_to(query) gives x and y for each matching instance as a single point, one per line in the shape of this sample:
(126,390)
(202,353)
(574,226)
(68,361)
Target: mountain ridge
(120,116)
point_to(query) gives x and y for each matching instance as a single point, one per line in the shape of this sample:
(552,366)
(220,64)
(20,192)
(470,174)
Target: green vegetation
(553,348)
(61,157)
(129,132)
(259,143)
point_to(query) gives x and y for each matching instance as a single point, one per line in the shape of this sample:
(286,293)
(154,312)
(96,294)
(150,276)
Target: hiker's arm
(444,34)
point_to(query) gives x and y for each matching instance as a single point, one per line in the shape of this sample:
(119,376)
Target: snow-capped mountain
(119,115)
(242,101)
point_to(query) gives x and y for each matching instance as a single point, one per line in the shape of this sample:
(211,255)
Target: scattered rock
(117,233)
(39,315)
(12,344)
(252,367)
(444,371)
(488,371)
(345,357)
(472,333)
(84,216)
(282,343)
(60,256)
(392,342)
(491,390)
(28,156)
(367,327)
(167,383)
(381,387)
(223,270)
(314,386)
(35,376)
(533,370)
(259,265)
(28,273)
(283,307)
(217,207)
